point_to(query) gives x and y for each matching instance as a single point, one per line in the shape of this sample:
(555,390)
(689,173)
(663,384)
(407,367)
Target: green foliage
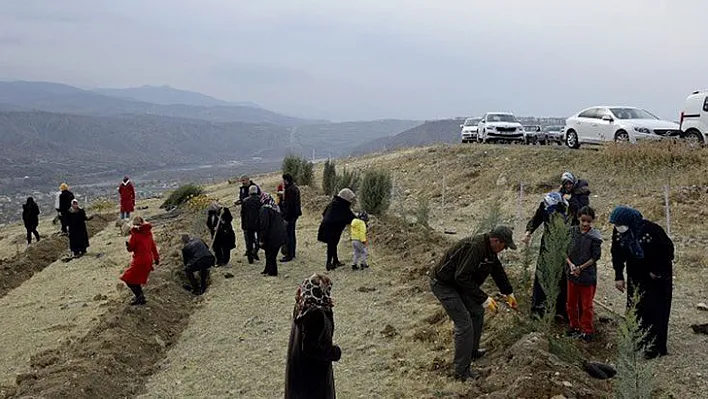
(182,195)
(375,192)
(634,374)
(348,179)
(300,168)
(422,212)
(551,264)
(329,178)
(491,220)
(565,349)
(528,254)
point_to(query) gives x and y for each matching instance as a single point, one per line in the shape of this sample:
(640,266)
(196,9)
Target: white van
(694,117)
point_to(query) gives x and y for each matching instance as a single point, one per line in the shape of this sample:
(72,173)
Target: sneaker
(586,337)
(138,301)
(255,256)
(479,354)
(469,374)
(286,259)
(573,333)
(250,260)
(355,267)
(364,265)
(337,264)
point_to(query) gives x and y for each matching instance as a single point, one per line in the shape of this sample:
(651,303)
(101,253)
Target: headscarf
(568,177)
(632,218)
(313,293)
(268,201)
(554,202)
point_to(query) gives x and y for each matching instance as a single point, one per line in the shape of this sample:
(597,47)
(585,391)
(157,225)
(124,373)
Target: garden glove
(491,305)
(511,301)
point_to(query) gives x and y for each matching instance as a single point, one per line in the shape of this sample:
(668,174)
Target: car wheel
(544,142)
(571,139)
(694,138)
(621,137)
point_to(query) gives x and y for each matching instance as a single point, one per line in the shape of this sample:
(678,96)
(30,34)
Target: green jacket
(467,264)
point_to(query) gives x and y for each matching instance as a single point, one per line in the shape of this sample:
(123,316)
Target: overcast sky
(367,59)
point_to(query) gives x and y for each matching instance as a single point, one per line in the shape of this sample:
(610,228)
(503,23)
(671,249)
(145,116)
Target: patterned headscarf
(632,218)
(268,201)
(554,202)
(313,293)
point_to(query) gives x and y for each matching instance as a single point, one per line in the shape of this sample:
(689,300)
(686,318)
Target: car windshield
(554,128)
(632,113)
(532,128)
(471,121)
(501,118)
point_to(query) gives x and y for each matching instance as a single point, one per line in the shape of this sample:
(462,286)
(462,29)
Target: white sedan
(623,124)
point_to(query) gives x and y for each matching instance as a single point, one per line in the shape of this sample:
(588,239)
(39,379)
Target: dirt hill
(396,341)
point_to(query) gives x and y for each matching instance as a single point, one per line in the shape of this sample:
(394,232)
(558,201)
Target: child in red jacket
(145,254)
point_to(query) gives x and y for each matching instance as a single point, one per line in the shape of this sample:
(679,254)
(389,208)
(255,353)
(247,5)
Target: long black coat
(335,219)
(271,232)
(30,215)
(250,213)
(579,197)
(224,235)
(78,233)
(65,199)
(291,206)
(308,373)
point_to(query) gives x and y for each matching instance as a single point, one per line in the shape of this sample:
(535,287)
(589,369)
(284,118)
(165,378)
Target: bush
(422,213)
(348,179)
(102,205)
(300,168)
(634,374)
(329,178)
(182,195)
(375,192)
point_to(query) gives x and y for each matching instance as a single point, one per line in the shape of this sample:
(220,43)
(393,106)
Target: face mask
(622,229)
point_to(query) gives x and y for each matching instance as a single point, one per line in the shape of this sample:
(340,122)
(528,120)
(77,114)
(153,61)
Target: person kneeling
(197,258)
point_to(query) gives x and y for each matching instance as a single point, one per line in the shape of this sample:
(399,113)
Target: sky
(368,59)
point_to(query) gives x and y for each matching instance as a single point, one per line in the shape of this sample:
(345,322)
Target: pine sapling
(634,374)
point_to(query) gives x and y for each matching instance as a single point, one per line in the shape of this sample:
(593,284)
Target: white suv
(468,133)
(499,126)
(694,117)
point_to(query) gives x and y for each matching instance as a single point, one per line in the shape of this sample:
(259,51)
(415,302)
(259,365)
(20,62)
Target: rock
(567,384)
(702,306)
(501,181)
(366,289)
(450,231)
(389,331)
(160,341)
(228,275)
(100,297)
(559,397)
(700,328)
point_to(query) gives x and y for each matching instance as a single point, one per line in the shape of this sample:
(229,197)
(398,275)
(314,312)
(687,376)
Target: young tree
(375,192)
(329,178)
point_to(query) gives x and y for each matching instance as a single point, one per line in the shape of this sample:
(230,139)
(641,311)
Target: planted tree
(329,178)
(348,179)
(300,168)
(375,191)
(634,374)
(551,264)
(182,195)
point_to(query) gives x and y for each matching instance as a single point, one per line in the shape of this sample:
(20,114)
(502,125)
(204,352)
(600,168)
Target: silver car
(554,134)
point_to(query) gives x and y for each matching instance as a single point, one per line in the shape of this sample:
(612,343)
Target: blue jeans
(291,244)
(125,215)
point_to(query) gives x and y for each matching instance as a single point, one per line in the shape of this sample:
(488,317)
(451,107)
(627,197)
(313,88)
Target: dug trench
(115,357)
(21,267)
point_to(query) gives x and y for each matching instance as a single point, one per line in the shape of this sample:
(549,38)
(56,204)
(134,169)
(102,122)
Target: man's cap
(505,234)
(253,190)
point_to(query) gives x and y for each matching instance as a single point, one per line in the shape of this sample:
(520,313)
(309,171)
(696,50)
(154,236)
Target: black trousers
(538,298)
(271,262)
(64,219)
(291,238)
(653,310)
(137,291)
(332,256)
(31,230)
(251,243)
(223,254)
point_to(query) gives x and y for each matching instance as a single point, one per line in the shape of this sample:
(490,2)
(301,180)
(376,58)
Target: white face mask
(622,229)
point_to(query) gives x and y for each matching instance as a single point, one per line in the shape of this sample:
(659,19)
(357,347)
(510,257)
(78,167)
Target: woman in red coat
(145,254)
(127,198)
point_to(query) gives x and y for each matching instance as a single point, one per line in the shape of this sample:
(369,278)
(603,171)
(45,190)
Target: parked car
(694,117)
(622,124)
(534,134)
(501,127)
(554,134)
(468,133)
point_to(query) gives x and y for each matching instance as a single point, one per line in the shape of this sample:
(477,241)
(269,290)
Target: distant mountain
(441,131)
(166,95)
(59,98)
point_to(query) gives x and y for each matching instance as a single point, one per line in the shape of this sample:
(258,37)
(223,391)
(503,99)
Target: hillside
(59,98)
(167,95)
(430,132)
(395,339)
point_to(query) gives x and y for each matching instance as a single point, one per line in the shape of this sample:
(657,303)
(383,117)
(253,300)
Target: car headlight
(642,130)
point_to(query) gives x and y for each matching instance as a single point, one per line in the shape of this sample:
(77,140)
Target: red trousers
(580,306)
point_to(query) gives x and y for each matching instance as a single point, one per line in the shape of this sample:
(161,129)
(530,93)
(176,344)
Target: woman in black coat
(648,253)
(271,234)
(30,217)
(78,234)
(224,238)
(335,218)
(308,373)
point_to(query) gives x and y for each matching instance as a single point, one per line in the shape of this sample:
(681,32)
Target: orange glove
(511,301)
(491,305)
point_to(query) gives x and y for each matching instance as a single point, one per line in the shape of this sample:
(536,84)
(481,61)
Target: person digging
(197,258)
(456,280)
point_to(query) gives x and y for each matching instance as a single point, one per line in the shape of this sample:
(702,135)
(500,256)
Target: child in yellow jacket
(359,242)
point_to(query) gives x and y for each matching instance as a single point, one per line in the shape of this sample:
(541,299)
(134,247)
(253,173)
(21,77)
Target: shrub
(329,178)
(182,195)
(102,205)
(634,374)
(300,168)
(551,264)
(375,192)
(422,213)
(348,179)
